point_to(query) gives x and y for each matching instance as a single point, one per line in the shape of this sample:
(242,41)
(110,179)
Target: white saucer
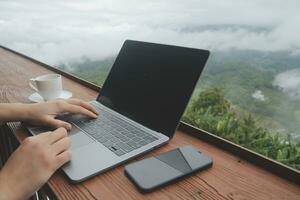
(35,97)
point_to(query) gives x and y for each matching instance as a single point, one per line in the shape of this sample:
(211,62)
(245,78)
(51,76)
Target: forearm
(6,190)
(13,112)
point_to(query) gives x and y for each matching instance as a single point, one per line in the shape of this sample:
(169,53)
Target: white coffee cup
(49,86)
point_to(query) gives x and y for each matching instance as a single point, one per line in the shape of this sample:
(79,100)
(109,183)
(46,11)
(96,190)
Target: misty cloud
(63,31)
(258,95)
(289,82)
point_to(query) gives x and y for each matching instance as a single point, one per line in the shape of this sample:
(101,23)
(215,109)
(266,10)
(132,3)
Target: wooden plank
(230,177)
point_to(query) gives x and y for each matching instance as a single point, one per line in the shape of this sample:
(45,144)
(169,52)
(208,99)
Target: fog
(63,31)
(258,95)
(289,82)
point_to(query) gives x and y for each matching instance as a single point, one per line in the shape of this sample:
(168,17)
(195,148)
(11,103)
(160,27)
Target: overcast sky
(62,31)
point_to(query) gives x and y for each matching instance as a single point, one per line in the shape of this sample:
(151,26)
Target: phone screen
(176,159)
(167,167)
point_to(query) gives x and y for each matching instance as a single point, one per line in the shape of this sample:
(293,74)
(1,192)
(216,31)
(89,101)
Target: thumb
(56,123)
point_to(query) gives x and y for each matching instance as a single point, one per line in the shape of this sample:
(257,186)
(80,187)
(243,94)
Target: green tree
(212,112)
(213,99)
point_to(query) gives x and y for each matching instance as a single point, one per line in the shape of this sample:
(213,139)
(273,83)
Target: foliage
(211,111)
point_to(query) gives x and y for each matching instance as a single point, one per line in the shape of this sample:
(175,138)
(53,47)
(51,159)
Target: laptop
(140,106)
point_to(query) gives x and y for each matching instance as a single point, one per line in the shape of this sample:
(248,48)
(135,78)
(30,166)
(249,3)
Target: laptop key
(153,137)
(125,132)
(116,150)
(124,139)
(113,148)
(138,145)
(114,133)
(102,139)
(136,139)
(132,144)
(105,134)
(120,136)
(143,142)
(109,136)
(107,144)
(92,132)
(130,135)
(119,152)
(114,139)
(138,134)
(149,139)
(125,147)
(119,129)
(130,128)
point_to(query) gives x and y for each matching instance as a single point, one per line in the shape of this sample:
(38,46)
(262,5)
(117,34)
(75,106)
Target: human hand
(45,113)
(33,163)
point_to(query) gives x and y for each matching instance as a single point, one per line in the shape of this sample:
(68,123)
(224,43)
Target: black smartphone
(154,172)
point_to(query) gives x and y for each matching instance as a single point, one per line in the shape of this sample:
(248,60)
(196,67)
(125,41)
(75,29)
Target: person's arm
(13,112)
(45,113)
(33,163)
(38,157)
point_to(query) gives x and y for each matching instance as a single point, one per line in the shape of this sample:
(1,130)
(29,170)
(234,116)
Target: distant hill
(242,74)
(94,71)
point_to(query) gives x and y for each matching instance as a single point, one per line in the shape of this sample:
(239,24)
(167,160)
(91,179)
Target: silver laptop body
(89,156)
(146,120)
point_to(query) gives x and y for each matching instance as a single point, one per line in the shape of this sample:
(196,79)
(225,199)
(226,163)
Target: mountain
(247,79)
(94,71)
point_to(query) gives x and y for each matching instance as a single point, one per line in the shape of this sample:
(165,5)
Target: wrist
(22,112)
(13,112)
(25,112)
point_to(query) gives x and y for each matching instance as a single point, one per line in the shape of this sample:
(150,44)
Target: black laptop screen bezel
(199,57)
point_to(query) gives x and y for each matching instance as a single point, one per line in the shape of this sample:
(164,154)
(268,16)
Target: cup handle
(32,84)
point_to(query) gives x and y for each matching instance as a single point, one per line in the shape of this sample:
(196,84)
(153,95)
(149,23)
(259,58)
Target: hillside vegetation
(212,112)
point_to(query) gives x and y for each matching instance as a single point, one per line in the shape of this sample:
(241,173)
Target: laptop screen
(152,83)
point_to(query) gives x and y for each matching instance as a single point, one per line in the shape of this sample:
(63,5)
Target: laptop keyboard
(116,134)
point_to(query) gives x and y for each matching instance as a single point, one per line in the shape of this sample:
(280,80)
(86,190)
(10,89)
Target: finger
(83,104)
(56,123)
(80,110)
(61,145)
(57,135)
(63,158)
(43,138)
(43,135)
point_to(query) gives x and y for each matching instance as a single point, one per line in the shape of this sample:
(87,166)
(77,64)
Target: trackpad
(79,139)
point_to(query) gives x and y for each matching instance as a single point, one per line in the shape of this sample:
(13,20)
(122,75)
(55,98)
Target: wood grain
(230,177)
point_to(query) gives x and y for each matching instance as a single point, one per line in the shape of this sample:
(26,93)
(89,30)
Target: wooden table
(231,177)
